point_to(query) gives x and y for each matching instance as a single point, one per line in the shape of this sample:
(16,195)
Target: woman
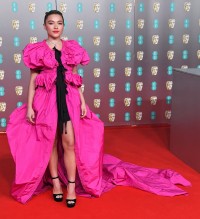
(56,140)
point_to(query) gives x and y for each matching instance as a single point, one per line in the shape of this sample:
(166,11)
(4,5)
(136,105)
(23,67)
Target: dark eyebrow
(54,21)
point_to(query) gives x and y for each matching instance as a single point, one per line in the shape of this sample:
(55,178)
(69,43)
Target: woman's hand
(30,116)
(83,110)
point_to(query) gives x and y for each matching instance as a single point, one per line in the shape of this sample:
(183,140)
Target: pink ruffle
(73,79)
(74,54)
(45,80)
(38,56)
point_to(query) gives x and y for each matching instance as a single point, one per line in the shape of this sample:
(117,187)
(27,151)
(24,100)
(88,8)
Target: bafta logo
(97,103)
(128,71)
(155,39)
(33,39)
(153,100)
(96,72)
(111,87)
(138,116)
(111,117)
(187,6)
(169,85)
(129,7)
(171,23)
(79,24)
(32,7)
(64,38)
(127,101)
(154,70)
(140,55)
(112,24)
(96,7)
(15,24)
(170,54)
(198,54)
(19,90)
(96,40)
(156,7)
(63,7)
(184,66)
(186,38)
(168,114)
(112,56)
(2,73)
(17,58)
(139,86)
(128,40)
(1,41)
(140,23)
(2,106)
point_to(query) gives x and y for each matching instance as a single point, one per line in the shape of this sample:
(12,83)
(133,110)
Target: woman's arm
(83,105)
(31,91)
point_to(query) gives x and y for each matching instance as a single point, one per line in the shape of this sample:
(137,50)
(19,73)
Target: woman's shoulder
(72,45)
(35,46)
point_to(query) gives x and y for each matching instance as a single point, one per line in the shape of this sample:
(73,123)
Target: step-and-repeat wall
(133,45)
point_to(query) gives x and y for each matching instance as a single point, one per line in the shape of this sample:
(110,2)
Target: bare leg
(69,159)
(53,168)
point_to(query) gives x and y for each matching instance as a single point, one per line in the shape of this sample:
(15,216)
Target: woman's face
(54,26)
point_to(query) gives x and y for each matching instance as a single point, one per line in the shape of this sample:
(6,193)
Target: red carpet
(146,146)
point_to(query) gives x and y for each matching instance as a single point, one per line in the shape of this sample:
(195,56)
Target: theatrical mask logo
(79,24)
(140,55)
(63,7)
(33,39)
(112,24)
(2,73)
(97,72)
(17,58)
(198,54)
(111,117)
(128,40)
(155,39)
(128,71)
(112,56)
(129,7)
(154,70)
(2,106)
(170,54)
(140,23)
(199,22)
(97,103)
(96,40)
(156,6)
(138,115)
(184,66)
(19,90)
(171,23)
(169,85)
(186,38)
(168,114)
(187,6)
(111,87)
(82,88)
(153,100)
(31,7)
(15,24)
(96,7)
(64,38)
(127,101)
(139,86)
(1,41)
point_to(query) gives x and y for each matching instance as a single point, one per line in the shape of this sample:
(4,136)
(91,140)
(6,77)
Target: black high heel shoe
(70,202)
(57,197)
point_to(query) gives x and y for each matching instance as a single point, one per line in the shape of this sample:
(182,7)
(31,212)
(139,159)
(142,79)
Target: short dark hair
(47,14)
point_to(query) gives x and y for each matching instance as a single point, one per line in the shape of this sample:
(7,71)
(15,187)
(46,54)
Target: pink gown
(31,145)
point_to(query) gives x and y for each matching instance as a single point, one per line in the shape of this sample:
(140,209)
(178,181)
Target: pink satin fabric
(31,145)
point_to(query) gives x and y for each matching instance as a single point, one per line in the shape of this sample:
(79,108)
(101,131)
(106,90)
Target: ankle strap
(71,181)
(56,177)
